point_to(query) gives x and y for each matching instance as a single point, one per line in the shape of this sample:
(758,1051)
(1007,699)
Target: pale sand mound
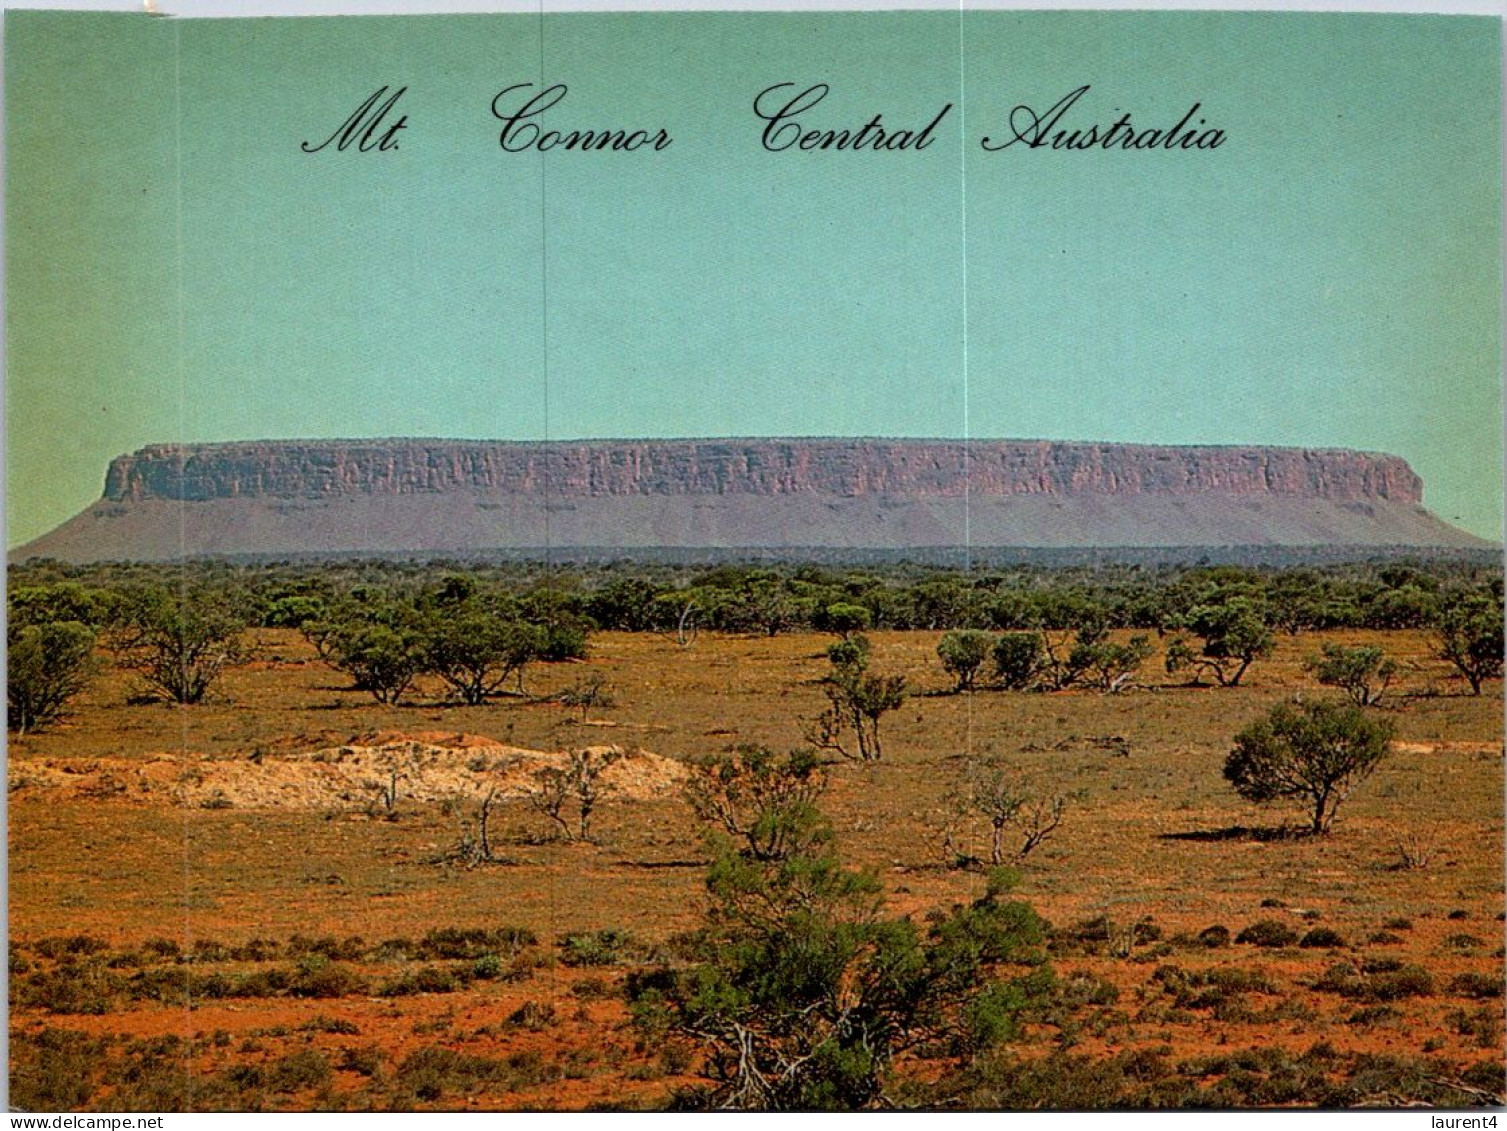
(1447,747)
(288,774)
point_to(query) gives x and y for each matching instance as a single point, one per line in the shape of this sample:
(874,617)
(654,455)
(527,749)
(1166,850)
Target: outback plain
(290,895)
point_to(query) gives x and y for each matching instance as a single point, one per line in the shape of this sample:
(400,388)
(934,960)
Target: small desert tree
(843,618)
(1065,656)
(764,606)
(1316,753)
(1363,672)
(179,642)
(481,851)
(992,790)
(766,803)
(963,652)
(1469,635)
(548,795)
(383,659)
(857,699)
(398,763)
(46,665)
(1107,666)
(475,651)
(476,845)
(1235,635)
(579,783)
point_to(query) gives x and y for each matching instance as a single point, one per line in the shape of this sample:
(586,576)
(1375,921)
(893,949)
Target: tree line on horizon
(386,624)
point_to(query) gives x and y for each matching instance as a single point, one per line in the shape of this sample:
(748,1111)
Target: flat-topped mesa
(840,468)
(783,497)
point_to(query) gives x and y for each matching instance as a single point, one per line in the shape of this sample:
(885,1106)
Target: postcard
(754,560)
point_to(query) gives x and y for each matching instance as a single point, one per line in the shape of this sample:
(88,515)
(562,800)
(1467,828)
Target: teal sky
(178,269)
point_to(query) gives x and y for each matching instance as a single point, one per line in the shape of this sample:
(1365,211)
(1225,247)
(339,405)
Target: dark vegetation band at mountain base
(772,598)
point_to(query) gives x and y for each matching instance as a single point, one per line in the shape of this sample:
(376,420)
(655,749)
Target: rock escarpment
(432,497)
(769,468)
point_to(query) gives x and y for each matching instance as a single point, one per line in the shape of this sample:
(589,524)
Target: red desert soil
(257,816)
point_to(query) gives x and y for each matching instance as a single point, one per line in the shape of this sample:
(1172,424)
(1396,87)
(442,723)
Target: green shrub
(1108,666)
(293,612)
(1469,636)
(1235,635)
(487,967)
(71,987)
(318,977)
(798,979)
(298,1071)
(843,619)
(264,983)
(319,1023)
(605,947)
(473,942)
(1483,1025)
(1220,988)
(532,1015)
(1269,933)
(348,949)
(563,642)
(364,1060)
(162,948)
(1377,985)
(1464,941)
(69,946)
(209,950)
(381,659)
(1078,990)
(476,651)
(425,980)
(1476,985)
(179,641)
(766,802)
(256,950)
(431,1072)
(1215,936)
(1322,937)
(528,1069)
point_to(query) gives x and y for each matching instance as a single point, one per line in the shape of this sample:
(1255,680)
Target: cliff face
(442,497)
(914,469)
